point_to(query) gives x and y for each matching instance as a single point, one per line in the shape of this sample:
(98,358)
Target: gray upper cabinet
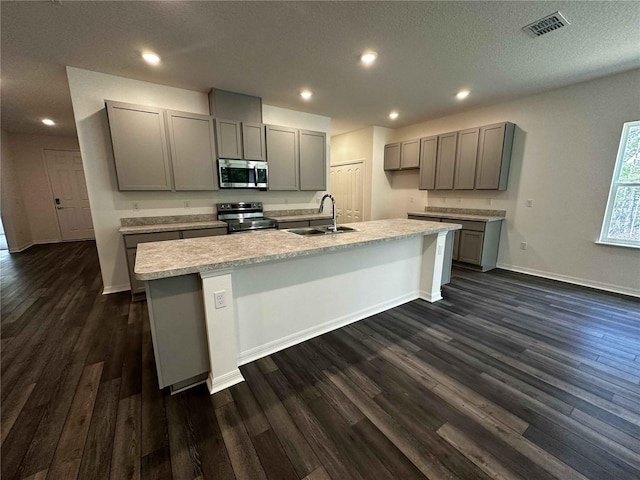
(392,156)
(446,160)
(494,156)
(254,141)
(428,150)
(466,156)
(402,156)
(282,158)
(410,154)
(193,152)
(228,138)
(140,149)
(313,160)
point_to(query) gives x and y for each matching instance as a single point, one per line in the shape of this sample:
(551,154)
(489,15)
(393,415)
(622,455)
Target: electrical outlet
(135,205)
(459,200)
(443,200)
(187,204)
(523,245)
(411,200)
(530,202)
(488,202)
(220,298)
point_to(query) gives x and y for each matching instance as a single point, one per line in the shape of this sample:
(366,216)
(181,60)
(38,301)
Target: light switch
(530,202)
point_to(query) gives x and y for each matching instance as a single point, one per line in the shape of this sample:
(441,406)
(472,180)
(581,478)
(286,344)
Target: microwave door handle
(255,175)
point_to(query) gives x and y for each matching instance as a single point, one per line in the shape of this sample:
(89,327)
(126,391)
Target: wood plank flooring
(508,377)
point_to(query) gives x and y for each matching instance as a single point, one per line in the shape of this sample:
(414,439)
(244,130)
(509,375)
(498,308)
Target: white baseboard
(430,297)
(21,248)
(116,288)
(224,381)
(290,340)
(607,287)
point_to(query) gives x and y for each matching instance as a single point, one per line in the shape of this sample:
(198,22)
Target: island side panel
(282,303)
(177,320)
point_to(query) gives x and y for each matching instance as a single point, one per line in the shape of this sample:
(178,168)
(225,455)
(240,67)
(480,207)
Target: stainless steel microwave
(242,174)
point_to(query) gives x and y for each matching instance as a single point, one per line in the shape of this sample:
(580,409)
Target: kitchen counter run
(301,217)
(173,258)
(457,216)
(168,227)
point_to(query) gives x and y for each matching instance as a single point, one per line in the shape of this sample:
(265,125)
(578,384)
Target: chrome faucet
(333,202)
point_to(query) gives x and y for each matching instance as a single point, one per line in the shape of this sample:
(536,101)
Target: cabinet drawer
(203,232)
(131,241)
(467,224)
(427,219)
(296,224)
(317,223)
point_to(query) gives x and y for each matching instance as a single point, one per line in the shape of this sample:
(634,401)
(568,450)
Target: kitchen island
(219,302)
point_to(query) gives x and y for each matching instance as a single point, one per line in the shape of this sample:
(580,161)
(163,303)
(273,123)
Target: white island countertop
(197,255)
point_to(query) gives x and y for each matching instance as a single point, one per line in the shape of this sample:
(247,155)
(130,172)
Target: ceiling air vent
(547,24)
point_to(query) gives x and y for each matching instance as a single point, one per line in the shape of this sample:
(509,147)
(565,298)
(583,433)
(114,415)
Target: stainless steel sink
(322,230)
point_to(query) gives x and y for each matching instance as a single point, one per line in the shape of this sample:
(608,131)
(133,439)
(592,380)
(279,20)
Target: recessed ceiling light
(462,94)
(368,58)
(393,115)
(306,94)
(48,121)
(151,58)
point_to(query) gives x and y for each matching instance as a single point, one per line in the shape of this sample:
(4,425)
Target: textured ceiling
(427,52)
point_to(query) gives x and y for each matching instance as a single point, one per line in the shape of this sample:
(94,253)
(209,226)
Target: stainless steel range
(244,217)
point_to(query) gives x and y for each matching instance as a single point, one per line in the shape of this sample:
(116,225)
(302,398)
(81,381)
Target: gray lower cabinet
(254,141)
(283,158)
(193,151)
(446,160)
(392,156)
(475,244)
(494,156)
(178,330)
(466,155)
(131,245)
(140,149)
(229,139)
(313,160)
(428,150)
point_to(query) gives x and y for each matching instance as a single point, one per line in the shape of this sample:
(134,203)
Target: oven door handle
(255,175)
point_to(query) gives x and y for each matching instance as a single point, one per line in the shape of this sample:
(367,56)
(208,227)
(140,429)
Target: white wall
(89,90)
(14,217)
(563,157)
(34,181)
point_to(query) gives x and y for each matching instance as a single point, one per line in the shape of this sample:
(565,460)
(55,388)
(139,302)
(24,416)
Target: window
(621,223)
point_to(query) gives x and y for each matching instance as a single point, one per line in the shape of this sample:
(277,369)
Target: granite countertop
(462,214)
(169,223)
(301,216)
(172,258)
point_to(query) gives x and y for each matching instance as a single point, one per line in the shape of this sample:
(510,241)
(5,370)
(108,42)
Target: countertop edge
(457,216)
(269,258)
(169,227)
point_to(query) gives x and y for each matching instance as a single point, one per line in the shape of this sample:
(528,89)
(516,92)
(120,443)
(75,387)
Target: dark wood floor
(508,377)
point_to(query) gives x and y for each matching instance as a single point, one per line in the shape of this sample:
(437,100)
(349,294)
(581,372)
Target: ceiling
(427,51)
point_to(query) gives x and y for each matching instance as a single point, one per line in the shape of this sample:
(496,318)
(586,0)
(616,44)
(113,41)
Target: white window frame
(613,190)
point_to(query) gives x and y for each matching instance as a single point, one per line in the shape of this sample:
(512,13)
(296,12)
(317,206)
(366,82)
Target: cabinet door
(313,160)
(140,150)
(228,139)
(470,247)
(392,156)
(410,154)
(282,158)
(254,141)
(466,156)
(456,244)
(446,160)
(137,286)
(428,149)
(193,151)
(494,156)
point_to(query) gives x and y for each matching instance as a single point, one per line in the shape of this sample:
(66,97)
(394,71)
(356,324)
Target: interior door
(347,188)
(70,197)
